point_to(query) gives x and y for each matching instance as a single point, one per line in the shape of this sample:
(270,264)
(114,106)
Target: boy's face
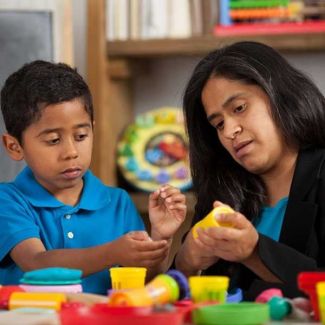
(58,146)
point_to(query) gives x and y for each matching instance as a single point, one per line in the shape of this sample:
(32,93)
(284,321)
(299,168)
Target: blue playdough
(52,276)
(235,296)
(182,282)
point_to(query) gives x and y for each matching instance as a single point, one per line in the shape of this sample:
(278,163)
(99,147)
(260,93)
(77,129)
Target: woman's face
(241,115)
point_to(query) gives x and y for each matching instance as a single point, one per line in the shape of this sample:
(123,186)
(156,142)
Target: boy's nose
(70,150)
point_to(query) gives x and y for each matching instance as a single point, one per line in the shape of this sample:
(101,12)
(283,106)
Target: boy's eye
(53,141)
(80,137)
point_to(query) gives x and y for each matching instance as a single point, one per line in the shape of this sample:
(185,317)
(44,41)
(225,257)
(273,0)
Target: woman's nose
(232,130)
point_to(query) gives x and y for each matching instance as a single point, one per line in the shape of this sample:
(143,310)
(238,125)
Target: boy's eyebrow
(225,104)
(77,126)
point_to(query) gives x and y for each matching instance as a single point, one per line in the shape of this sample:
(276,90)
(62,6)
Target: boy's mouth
(71,173)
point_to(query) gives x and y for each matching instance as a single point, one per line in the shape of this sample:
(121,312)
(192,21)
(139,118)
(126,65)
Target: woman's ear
(12,146)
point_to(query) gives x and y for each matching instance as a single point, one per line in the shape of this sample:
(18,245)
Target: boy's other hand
(167,211)
(136,248)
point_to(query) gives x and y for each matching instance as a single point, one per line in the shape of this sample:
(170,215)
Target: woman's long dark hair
(298,109)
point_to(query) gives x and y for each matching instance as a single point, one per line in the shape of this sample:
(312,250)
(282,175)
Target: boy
(56,212)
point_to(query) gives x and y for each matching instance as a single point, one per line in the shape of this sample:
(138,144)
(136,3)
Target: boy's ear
(12,146)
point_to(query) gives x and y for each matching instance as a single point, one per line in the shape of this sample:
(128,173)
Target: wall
(166,78)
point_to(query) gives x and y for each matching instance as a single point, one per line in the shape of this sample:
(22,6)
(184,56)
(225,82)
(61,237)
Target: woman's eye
(219,126)
(240,108)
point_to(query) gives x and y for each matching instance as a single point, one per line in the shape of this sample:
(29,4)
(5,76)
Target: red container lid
(5,293)
(309,279)
(307,283)
(107,315)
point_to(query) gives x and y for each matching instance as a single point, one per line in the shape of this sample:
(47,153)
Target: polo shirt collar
(95,194)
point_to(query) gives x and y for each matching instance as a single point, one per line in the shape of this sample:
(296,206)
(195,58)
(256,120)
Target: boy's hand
(167,211)
(136,248)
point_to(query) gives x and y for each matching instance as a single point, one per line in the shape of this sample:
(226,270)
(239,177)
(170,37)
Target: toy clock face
(154,151)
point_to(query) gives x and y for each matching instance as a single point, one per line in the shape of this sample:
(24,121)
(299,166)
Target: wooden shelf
(204,44)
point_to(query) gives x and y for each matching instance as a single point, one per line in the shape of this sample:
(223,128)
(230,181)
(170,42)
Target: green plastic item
(172,284)
(279,308)
(52,276)
(243,313)
(245,4)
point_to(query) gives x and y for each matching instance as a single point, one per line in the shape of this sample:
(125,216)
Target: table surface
(15,318)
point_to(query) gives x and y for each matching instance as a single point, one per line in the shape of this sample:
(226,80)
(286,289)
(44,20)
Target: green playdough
(52,276)
(243,313)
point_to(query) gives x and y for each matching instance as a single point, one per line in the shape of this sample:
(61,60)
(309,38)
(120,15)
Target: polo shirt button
(68,216)
(70,234)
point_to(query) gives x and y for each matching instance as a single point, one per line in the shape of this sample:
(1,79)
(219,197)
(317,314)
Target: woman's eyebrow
(226,103)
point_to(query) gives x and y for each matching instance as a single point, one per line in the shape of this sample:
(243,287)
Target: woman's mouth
(242,148)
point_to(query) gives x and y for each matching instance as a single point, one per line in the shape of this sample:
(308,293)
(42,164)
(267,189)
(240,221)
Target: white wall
(165,79)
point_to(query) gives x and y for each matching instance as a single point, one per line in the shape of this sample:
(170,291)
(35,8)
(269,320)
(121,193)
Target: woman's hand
(167,211)
(194,255)
(235,243)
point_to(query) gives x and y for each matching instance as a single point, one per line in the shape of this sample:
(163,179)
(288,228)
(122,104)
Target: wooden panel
(204,44)
(110,86)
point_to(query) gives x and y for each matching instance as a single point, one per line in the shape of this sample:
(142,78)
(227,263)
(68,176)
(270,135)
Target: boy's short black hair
(34,86)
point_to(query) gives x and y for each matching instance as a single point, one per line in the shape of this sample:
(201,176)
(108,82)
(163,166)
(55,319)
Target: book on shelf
(156,19)
(270,28)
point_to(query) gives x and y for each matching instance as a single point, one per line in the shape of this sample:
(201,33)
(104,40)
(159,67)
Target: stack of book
(164,19)
(159,19)
(254,17)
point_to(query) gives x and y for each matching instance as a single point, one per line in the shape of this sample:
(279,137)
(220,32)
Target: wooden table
(15,318)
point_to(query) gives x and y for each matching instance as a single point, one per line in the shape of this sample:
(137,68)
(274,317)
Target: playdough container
(210,219)
(161,290)
(107,315)
(320,289)
(307,283)
(208,288)
(243,313)
(72,288)
(5,293)
(128,277)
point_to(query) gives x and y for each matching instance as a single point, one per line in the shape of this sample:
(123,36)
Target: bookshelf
(112,65)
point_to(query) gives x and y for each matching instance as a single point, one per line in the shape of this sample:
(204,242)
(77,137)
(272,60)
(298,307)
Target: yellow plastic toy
(161,290)
(37,300)
(210,219)
(209,288)
(128,277)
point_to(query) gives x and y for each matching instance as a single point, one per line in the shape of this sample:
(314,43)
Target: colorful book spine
(317,26)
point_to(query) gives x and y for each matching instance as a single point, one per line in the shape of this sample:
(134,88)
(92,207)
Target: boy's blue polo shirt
(28,210)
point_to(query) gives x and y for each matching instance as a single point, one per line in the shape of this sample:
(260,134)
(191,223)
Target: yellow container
(128,277)
(36,300)
(208,288)
(210,219)
(160,290)
(320,289)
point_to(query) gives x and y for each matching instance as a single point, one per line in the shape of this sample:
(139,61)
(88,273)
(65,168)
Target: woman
(256,129)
